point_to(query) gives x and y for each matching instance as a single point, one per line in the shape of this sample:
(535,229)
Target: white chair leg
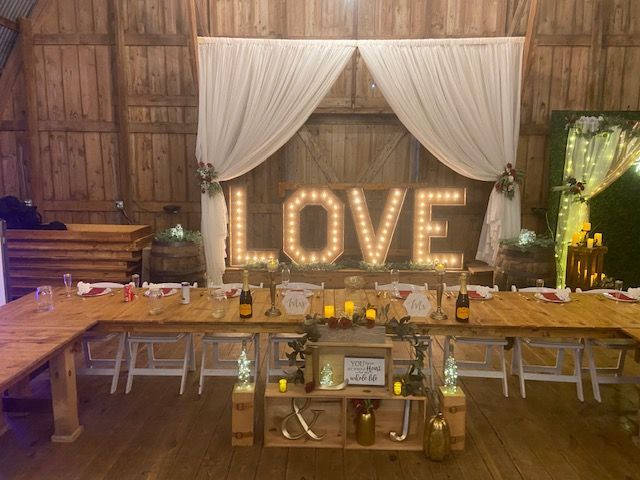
(133,355)
(559,361)
(151,357)
(578,372)
(118,362)
(185,363)
(256,351)
(593,372)
(191,344)
(86,353)
(621,359)
(432,375)
(503,364)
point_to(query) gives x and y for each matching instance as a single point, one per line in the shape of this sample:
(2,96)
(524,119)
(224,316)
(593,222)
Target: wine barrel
(177,262)
(515,266)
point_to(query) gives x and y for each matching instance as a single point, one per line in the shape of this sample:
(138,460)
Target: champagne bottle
(462,303)
(246,302)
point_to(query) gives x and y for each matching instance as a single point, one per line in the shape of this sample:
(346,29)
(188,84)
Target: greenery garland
(178,234)
(348,264)
(605,124)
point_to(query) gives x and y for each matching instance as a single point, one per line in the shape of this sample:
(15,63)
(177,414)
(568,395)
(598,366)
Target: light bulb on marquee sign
(375,245)
(292,210)
(239,255)
(425,228)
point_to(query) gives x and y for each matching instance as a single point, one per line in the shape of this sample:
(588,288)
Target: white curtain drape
(598,161)
(253,97)
(461,99)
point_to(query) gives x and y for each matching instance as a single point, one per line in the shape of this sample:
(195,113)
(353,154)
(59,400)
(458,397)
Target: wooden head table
(28,339)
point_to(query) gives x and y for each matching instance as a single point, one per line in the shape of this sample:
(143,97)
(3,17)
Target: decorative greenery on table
(532,241)
(178,234)
(348,264)
(413,381)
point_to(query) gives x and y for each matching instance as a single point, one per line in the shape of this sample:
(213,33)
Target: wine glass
(68,282)
(395,279)
(617,285)
(44,298)
(540,283)
(135,278)
(286,276)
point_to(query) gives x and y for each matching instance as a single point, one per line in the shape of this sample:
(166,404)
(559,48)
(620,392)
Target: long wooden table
(29,338)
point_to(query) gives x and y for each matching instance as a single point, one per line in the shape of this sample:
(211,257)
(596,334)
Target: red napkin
(473,295)
(230,293)
(94,291)
(404,293)
(166,291)
(551,296)
(622,296)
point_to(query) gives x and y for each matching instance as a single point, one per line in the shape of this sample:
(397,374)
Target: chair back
(402,286)
(456,288)
(168,285)
(236,285)
(302,286)
(107,285)
(534,289)
(596,291)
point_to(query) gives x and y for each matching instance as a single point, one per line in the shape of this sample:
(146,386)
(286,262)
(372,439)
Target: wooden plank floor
(154,433)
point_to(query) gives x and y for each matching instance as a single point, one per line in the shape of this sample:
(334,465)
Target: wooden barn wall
(99,102)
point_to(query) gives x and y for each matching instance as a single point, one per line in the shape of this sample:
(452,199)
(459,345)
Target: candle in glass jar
(397,388)
(348,307)
(575,239)
(586,226)
(282,385)
(597,239)
(589,242)
(371,314)
(329,311)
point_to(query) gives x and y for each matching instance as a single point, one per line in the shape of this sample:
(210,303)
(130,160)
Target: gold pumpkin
(436,440)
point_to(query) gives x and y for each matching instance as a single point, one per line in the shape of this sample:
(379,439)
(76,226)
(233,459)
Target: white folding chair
(608,375)
(103,366)
(484,368)
(400,364)
(275,340)
(166,367)
(225,367)
(548,373)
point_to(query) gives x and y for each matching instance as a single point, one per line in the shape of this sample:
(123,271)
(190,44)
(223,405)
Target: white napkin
(634,293)
(84,288)
(482,291)
(563,294)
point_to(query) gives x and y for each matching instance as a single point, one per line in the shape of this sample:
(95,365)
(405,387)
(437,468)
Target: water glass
(218,303)
(66,278)
(44,298)
(286,276)
(540,283)
(618,287)
(395,279)
(135,278)
(155,301)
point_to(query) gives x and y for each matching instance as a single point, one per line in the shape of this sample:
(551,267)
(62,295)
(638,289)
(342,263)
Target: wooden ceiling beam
(597,65)
(10,24)
(529,40)
(517,17)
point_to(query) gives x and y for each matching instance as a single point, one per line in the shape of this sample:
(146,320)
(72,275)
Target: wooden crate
(454,408)
(242,416)
(584,266)
(90,253)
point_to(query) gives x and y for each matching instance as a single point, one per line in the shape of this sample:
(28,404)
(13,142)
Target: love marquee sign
(374,242)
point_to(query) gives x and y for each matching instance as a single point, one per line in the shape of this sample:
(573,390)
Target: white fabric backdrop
(461,99)
(254,96)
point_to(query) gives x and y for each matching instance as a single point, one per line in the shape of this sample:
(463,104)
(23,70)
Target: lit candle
(597,239)
(440,267)
(348,307)
(589,242)
(586,226)
(272,265)
(329,311)
(371,314)
(575,239)
(593,279)
(397,388)
(282,385)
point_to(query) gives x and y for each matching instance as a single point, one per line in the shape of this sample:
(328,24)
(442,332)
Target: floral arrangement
(365,405)
(178,234)
(574,187)
(590,126)
(208,179)
(355,264)
(528,240)
(507,180)
(413,381)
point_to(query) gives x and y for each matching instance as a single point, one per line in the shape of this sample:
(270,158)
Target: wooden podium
(585,266)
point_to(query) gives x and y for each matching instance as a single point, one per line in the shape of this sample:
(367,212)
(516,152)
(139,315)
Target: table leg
(64,397)
(3,421)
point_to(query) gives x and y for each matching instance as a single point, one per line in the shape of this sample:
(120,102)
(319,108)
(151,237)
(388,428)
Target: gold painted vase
(366,428)
(436,440)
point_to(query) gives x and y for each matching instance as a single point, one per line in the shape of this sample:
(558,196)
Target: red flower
(345,323)
(332,322)
(509,166)
(309,387)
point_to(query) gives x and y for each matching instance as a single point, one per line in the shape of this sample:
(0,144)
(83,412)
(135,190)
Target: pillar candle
(371,314)
(575,239)
(597,239)
(586,226)
(348,307)
(397,388)
(329,311)
(589,242)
